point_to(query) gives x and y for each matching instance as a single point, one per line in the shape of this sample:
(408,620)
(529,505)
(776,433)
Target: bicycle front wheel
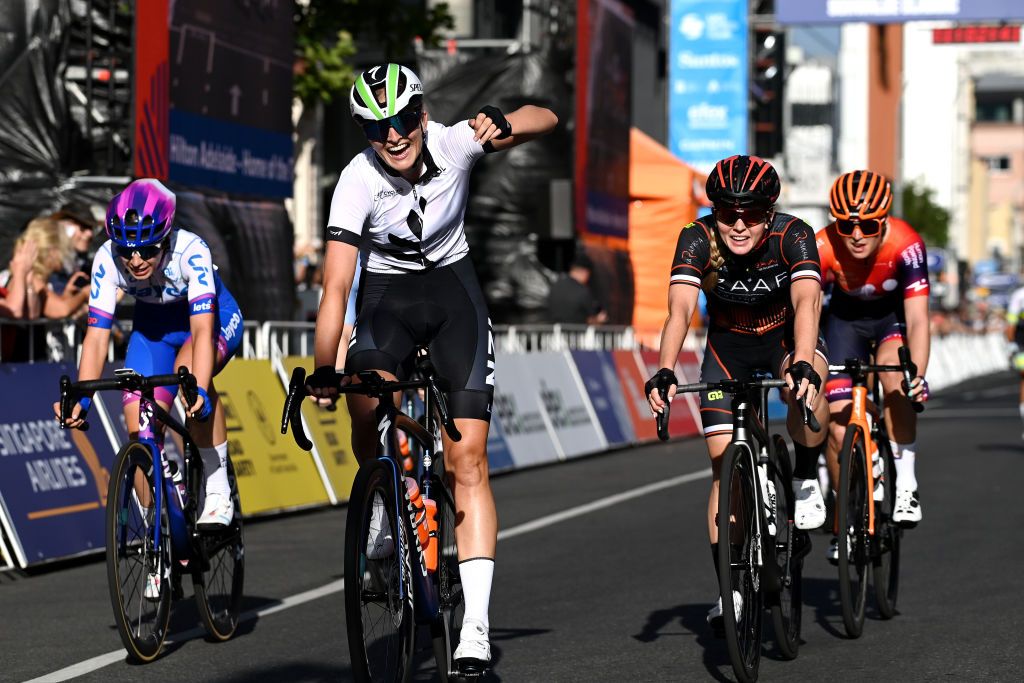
(886,565)
(220,575)
(378,579)
(138,569)
(740,560)
(852,504)
(791,544)
(445,632)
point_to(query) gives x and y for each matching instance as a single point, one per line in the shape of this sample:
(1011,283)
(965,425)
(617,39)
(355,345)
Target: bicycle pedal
(469,669)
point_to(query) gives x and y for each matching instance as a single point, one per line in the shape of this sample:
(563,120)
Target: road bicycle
(151,533)
(760,550)
(864,527)
(410,578)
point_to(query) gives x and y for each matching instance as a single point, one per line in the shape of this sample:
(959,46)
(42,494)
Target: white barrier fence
(954,358)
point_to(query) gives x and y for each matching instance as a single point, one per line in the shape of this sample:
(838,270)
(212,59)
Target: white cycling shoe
(907,511)
(809,511)
(715,619)
(474,650)
(218,511)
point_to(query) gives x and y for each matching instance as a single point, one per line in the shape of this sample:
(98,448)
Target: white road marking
(90,665)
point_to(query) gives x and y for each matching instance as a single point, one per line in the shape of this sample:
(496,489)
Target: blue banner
(53,482)
(230,157)
(597,370)
(708,71)
(895,11)
(499,457)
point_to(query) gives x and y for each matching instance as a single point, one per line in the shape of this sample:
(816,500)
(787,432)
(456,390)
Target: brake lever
(292,407)
(661,419)
(67,405)
(909,373)
(442,409)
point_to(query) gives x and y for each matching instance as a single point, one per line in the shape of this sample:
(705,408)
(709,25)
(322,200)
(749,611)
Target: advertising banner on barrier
(597,370)
(499,455)
(273,473)
(517,404)
(331,434)
(684,418)
(631,381)
(53,482)
(566,403)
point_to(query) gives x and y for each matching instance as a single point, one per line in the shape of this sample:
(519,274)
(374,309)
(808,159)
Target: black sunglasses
(145,253)
(729,216)
(869,227)
(404,123)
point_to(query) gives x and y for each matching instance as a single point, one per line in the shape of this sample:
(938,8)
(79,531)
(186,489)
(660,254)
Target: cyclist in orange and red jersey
(879,282)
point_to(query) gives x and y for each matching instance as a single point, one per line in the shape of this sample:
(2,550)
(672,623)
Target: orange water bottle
(419,514)
(431,549)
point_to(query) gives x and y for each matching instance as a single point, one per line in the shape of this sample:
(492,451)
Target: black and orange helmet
(860,195)
(743,181)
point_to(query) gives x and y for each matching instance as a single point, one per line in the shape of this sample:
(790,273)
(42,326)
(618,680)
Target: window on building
(997,163)
(994,108)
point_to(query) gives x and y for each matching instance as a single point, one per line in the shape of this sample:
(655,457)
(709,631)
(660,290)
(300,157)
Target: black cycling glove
(324,377)
(499,120)
(802,370)
(662,379)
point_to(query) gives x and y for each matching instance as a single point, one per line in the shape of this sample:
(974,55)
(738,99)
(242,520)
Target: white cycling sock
(477,574)
(905,476)
(215,462)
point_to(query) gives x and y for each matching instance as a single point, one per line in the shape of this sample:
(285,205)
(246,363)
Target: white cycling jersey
(1015,307)
(412,226)
(186,272)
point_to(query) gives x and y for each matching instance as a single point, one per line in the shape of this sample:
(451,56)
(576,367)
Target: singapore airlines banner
(707,80)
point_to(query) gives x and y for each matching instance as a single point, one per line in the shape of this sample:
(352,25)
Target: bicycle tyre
(787,607)
(380,623)
(219,579)
(853,533)
(141,622)
(888,534)
(445,632)
(738,570)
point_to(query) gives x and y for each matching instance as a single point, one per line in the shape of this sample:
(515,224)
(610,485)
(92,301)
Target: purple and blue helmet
(141,214)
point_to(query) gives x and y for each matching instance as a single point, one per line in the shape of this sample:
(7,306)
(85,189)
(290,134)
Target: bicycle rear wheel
(134,562)
(445,632)
(886,565)
(852,504)
(739,563)
(790,546)
(219,577)
(378,580)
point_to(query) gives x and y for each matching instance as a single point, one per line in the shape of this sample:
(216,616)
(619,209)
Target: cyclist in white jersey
(408,192)
(184,315)
(1015,336)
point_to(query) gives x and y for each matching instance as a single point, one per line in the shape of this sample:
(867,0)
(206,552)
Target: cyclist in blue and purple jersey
(183,316)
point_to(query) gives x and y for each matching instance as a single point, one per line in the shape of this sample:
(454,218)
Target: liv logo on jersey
(199,269)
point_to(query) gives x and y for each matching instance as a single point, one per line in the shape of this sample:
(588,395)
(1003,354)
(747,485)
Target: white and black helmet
(402,88)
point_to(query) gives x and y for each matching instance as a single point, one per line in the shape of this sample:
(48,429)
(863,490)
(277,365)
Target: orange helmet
(860,195)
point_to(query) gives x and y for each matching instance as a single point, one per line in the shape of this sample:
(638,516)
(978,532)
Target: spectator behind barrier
(53,254)
(570,299)
(14,280)
(79,227)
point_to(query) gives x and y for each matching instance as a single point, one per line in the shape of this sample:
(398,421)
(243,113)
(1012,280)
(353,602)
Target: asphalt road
(613,591)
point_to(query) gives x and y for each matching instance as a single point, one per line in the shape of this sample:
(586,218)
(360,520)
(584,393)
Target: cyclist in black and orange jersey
(878,272)
(759,268)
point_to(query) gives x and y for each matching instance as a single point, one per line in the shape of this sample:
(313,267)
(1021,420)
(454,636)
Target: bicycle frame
(427,601)
(162,483)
